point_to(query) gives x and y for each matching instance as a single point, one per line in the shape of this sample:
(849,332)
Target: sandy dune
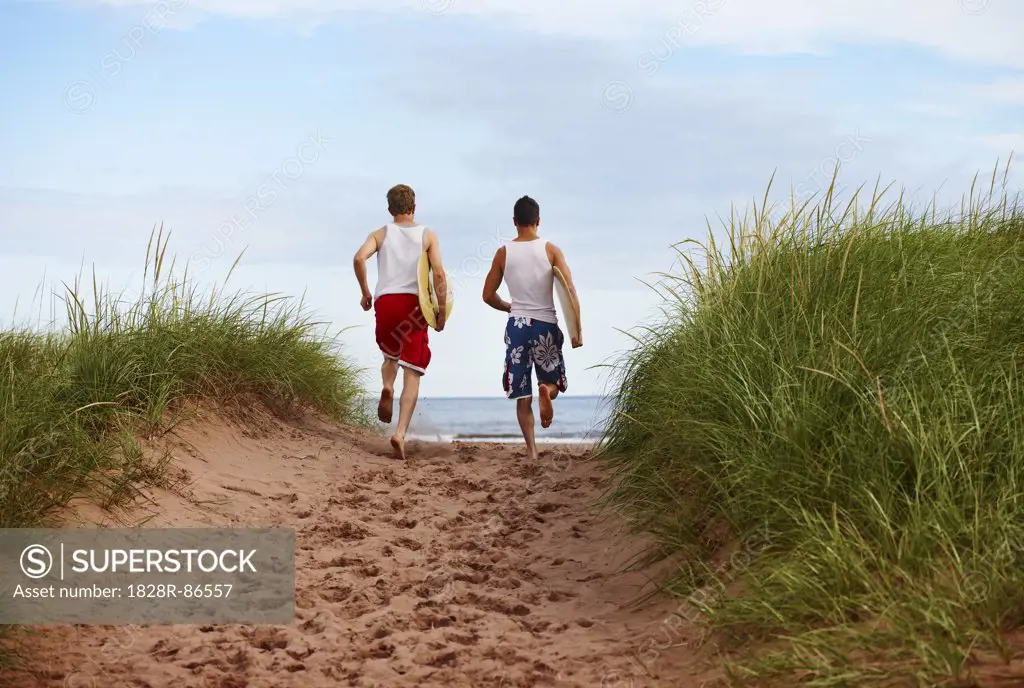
(466,566)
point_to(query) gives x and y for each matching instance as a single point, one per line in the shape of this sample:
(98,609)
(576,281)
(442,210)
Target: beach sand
(465,566)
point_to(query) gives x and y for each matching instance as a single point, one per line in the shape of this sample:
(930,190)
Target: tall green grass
(847,380)
(73,401)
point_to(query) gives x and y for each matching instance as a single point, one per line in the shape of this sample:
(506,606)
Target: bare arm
(365,252)
(493,281)
(440,278)
(557,259)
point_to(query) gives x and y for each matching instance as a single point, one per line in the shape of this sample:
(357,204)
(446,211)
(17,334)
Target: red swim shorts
(402,330)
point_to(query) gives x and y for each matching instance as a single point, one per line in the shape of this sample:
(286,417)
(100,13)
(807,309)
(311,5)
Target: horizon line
(560,396)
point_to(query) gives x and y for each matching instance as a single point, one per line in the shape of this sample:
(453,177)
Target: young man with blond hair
(401,329)
(532,336)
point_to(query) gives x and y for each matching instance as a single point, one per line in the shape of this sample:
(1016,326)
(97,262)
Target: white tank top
(530,280)
(397,260)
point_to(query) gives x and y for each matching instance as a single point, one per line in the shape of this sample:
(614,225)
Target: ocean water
(493,419)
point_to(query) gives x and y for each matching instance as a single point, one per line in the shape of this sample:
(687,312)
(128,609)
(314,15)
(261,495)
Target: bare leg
(386,405)
(406,407)
(524,412)
(548,393)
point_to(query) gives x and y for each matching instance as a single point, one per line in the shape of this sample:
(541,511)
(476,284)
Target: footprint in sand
(408,543)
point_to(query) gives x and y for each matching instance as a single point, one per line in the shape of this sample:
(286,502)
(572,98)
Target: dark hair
(526,213)
(401,200)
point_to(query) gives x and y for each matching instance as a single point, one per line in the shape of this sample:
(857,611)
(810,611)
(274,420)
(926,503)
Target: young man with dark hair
(532,336)
(401,329)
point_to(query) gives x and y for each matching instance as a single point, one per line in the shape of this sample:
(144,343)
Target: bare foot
(547,409)
(399,445)
(386,405)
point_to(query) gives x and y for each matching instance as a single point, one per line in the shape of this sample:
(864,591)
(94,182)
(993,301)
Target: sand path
(468,565)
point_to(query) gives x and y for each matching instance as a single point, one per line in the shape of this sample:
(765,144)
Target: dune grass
(844,385)
(73,401)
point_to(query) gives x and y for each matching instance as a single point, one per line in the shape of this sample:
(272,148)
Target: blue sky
(632,124)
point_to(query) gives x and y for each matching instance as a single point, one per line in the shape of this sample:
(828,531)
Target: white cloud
(1008,90)
(1003,143)
(986,31)
(946,110)
(970,101)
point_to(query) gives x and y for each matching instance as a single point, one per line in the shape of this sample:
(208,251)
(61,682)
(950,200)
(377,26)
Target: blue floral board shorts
(529,344)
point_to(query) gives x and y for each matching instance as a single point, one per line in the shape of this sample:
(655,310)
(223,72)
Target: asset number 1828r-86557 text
(209,590)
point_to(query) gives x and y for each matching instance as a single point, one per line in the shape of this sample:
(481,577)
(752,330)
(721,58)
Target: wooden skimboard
(569,306)
(428,299)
